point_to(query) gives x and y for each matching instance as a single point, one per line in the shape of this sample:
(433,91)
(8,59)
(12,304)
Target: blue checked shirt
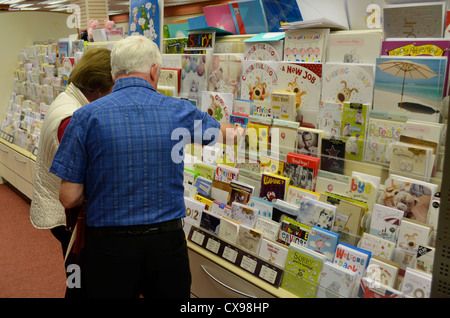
(127,148)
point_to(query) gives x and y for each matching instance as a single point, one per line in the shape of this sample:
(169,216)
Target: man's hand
(230,134)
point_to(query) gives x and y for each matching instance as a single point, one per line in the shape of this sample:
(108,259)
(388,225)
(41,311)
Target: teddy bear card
(258,79)
(217,105)
(354,46)
(225,73)
(411,196)
(194,76)
(303,79)
(348,82)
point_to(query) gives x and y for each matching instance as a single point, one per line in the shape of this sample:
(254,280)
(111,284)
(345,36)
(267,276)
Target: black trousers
(130,262)
(63,236)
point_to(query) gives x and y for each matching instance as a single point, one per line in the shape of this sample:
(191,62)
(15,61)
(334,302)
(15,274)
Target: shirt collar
(125,82)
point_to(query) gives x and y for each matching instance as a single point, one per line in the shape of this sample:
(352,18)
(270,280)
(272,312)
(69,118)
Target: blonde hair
(93,71)
(134,54)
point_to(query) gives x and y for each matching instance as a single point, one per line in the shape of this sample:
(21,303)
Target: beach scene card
(410,84)
(418,47)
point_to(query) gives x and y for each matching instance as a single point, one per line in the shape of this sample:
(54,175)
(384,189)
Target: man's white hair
(134,54)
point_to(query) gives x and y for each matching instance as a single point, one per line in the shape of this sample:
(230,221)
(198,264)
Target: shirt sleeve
(69,162)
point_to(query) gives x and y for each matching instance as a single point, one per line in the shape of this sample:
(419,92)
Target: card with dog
(348,82)
(217,105)
(411,234)
(303,79)
(258,80)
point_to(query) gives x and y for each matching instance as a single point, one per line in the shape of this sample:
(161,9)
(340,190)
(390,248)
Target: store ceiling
(115,6)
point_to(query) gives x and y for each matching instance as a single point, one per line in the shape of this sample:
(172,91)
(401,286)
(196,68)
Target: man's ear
(154,74)
(154,70)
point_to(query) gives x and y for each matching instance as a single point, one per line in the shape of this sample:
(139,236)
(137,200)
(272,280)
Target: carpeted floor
(31,260)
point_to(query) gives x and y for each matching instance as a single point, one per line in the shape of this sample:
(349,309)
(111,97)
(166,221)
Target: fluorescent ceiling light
(22,5)
(54,1)
(12,1)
